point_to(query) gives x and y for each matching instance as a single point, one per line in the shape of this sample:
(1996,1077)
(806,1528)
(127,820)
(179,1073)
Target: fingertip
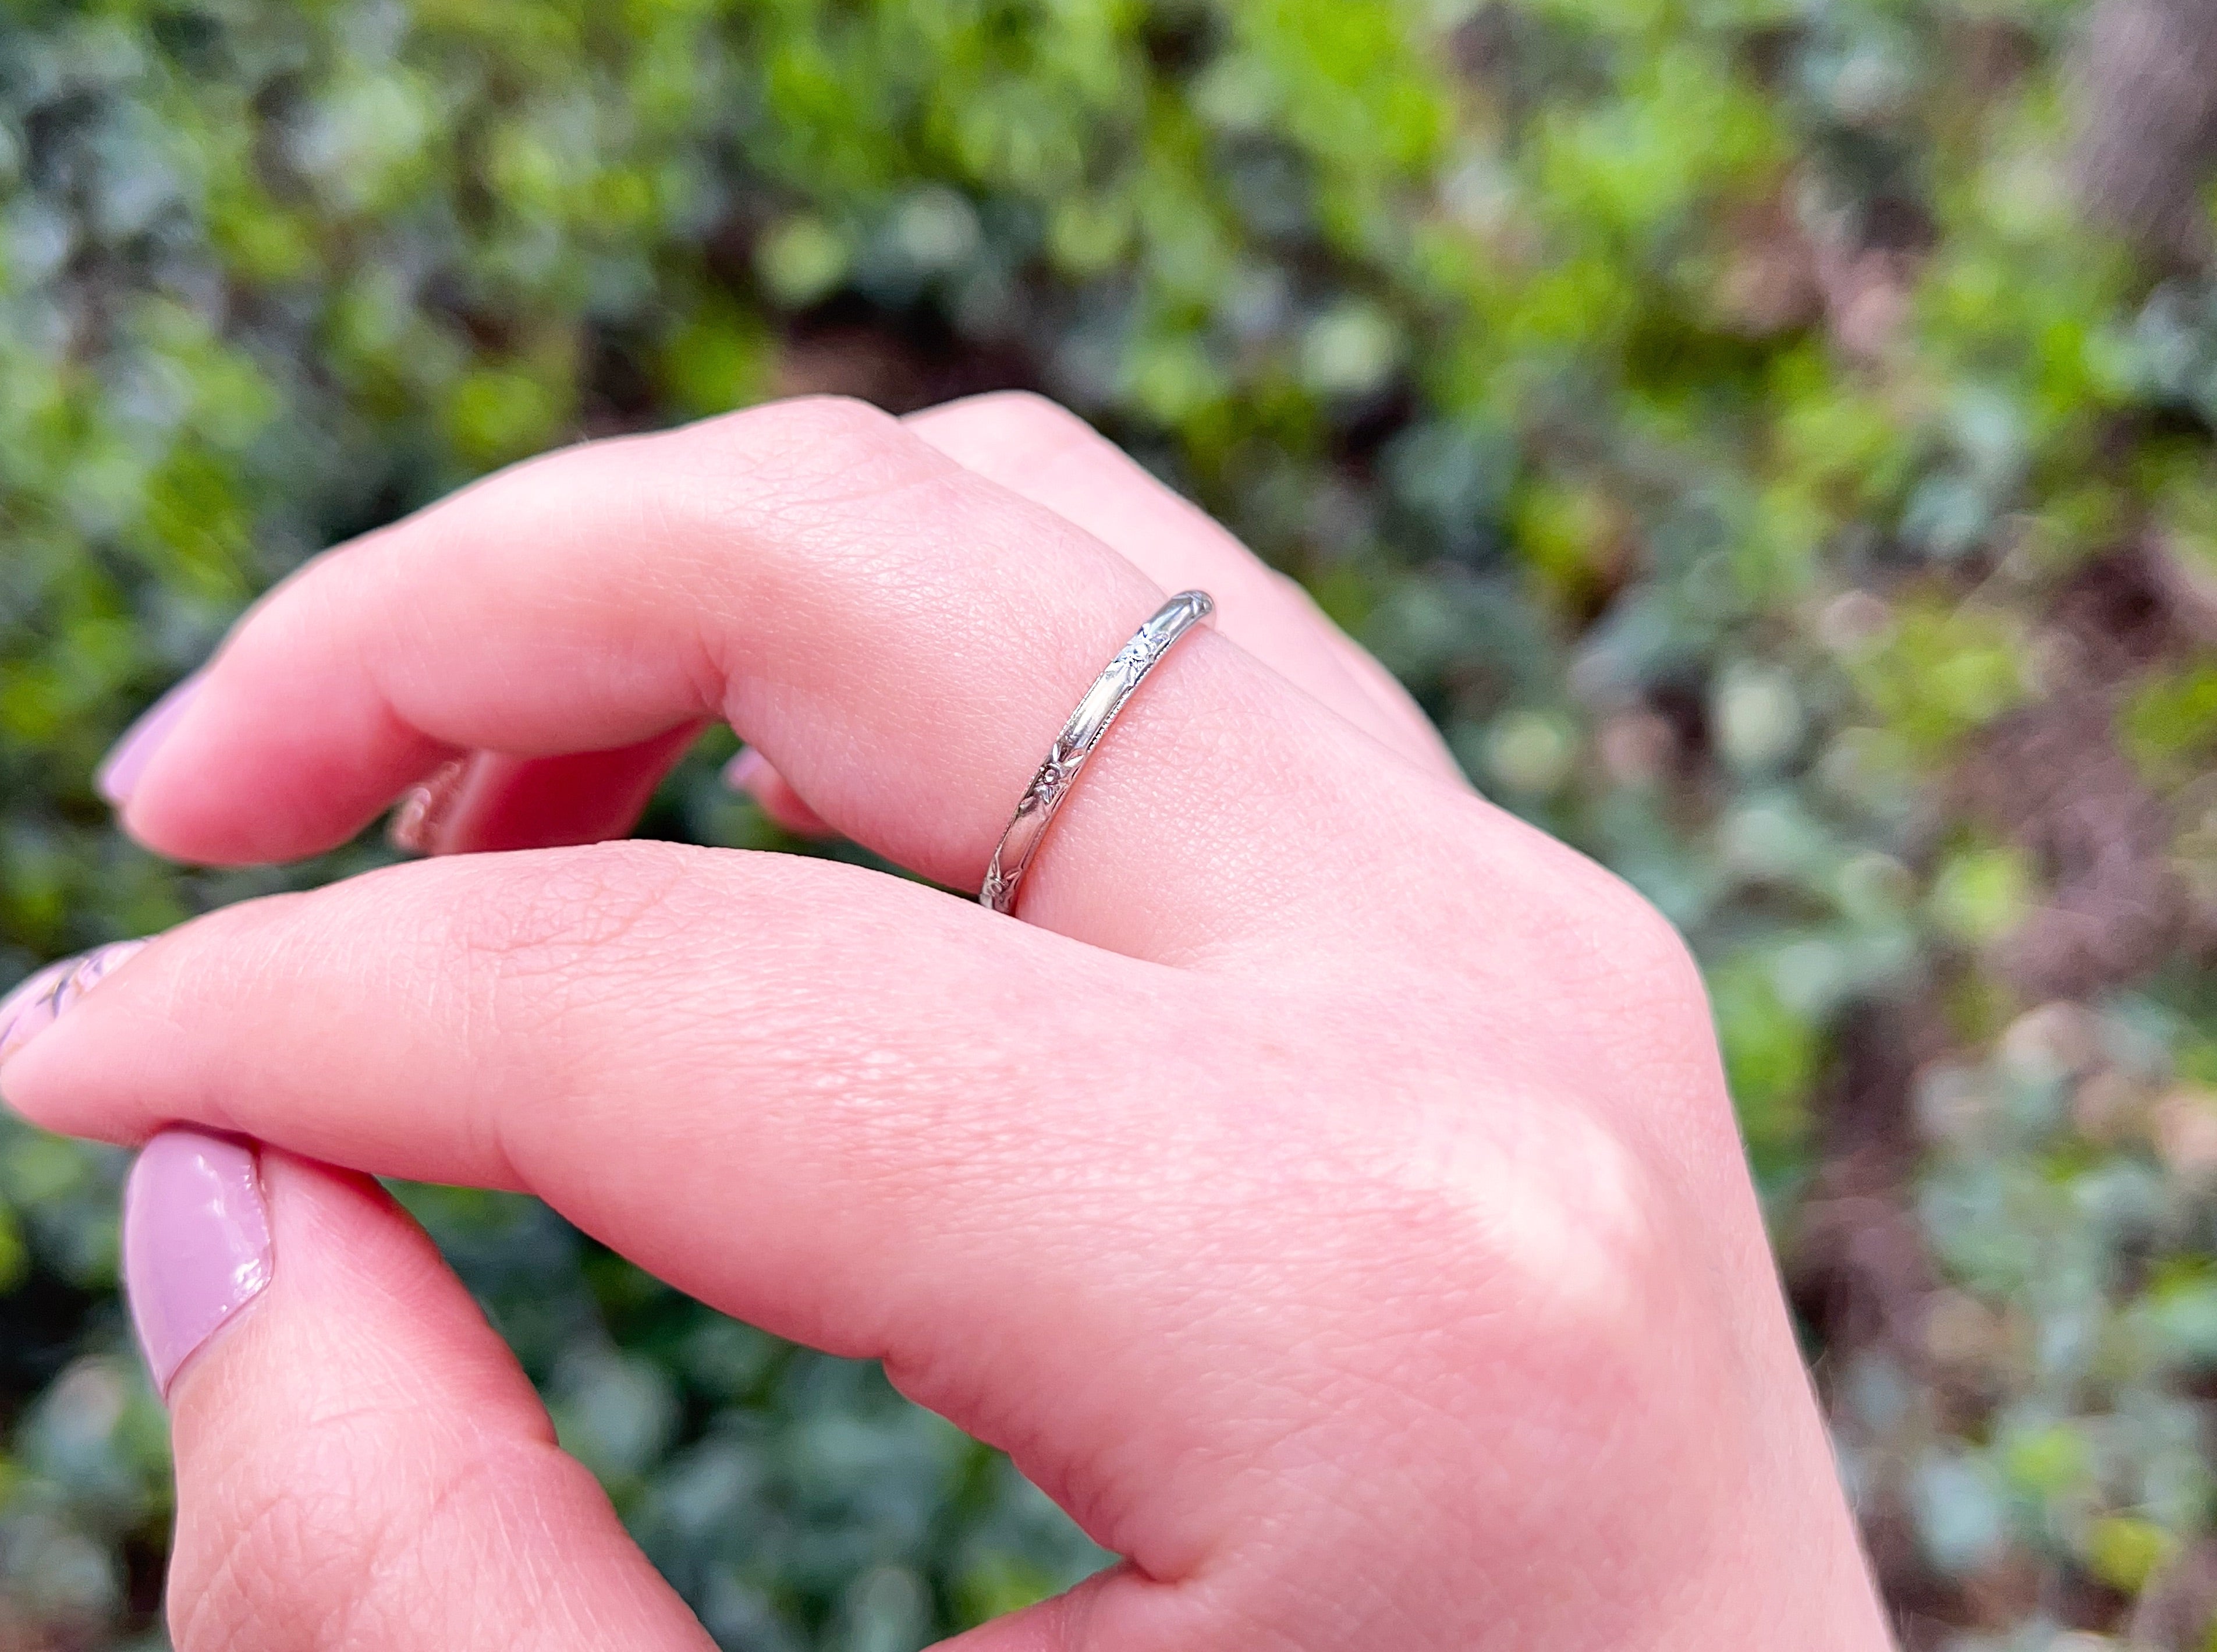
(354,1282)
(196,1244)
(355,1446)
(252,764)
(130,779)
(119,772)
(750,772)
(419,823)
(494,802)
(38,1003)
(206,1215)
(741,773)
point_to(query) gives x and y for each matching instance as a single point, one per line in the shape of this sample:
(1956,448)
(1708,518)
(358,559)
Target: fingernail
(39,1002)
(195,1243)
(742,770)
(420,819)
(120,769)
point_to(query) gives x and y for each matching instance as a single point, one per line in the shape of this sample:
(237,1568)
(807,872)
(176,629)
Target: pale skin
(1326,1191)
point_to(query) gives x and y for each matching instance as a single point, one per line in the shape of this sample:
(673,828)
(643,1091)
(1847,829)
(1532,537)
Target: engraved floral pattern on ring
(1066,758)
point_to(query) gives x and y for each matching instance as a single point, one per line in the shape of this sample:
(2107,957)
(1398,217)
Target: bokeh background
(1773,439)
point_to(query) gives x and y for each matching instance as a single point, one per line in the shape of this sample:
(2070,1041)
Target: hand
(1328,1193)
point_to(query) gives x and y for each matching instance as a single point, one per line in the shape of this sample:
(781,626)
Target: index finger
(979,1162)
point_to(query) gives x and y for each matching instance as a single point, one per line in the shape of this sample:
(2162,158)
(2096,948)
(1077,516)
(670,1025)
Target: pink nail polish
(742,770)
(419,822)
(120,769)
(35,1006)
(195,1243)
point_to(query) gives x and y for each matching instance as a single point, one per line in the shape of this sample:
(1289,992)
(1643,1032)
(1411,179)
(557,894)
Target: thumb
(361,1462)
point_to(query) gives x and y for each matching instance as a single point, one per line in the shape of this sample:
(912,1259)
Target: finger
(486,801)
(963,1162)
(750,772)
(489,802)
(359,1461)
(1033,447)
(901,639)
(500,1020)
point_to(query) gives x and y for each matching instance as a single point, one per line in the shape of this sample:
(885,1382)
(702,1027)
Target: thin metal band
(1066,758)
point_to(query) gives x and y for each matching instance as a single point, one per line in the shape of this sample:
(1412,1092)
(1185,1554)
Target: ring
(1066,758)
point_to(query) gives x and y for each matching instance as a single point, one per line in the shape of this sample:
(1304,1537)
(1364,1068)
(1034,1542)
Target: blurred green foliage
(1728,418)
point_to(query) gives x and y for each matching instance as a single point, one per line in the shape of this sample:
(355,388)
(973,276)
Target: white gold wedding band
(1066,758)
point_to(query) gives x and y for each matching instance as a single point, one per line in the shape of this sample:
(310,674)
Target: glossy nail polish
(120,769)
(742,770)
(419,822)
(195,1243)
(35,1006)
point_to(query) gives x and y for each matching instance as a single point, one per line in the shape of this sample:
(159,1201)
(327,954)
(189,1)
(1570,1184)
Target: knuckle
(564,962)
(1647,947)
(1645,970)
(832,417)
(824,481)
(1027,411)
(1020,404)
(824,433)
(1300,604)
(557,910)
(1639,1007)
(1607,938)
(1015,428)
